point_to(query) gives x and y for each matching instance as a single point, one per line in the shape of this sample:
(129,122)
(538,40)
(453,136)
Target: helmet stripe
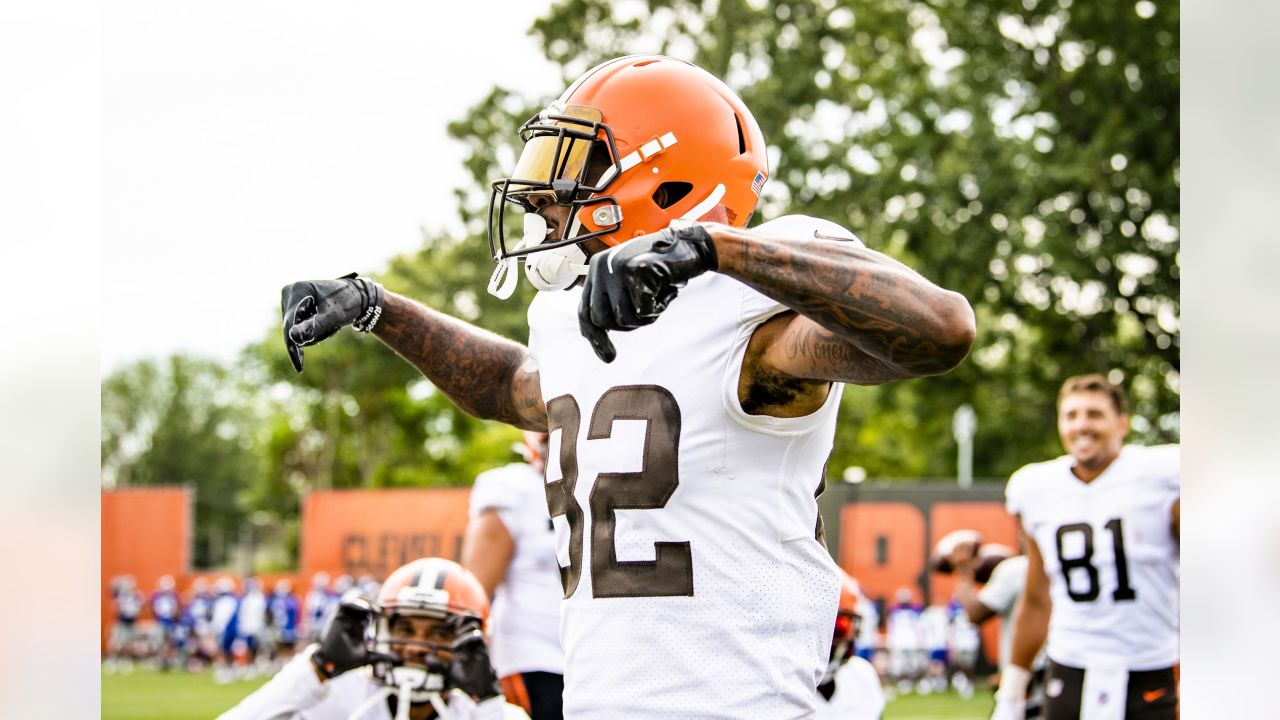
(705,206)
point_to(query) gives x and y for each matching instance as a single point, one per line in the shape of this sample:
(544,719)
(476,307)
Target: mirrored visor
(558,147)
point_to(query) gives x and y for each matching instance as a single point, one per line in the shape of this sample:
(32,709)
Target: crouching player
(850,689)
(427,658)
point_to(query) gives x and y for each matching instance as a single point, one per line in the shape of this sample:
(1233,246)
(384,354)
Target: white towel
(1104,694)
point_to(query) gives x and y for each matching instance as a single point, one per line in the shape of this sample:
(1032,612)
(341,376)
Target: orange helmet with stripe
(632,145)
(420,607)
(848,618)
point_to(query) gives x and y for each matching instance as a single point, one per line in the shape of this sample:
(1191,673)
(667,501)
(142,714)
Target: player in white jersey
(685,459)
(1002,572)
(902,637)
(510,546)
(1101,526)
(315,606)
(427,659)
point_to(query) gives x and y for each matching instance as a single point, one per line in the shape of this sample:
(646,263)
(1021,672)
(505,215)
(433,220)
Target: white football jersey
(1001,594)
(902,628)
(694,584)
(1110,556)
(525,615)
(934,622)
(295,693)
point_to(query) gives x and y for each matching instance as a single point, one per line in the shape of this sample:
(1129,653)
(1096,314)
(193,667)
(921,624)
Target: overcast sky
(250,144)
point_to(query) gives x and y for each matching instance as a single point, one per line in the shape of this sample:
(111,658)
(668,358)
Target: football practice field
(151,695)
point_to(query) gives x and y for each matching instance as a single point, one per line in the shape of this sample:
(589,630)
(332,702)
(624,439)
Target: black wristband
(372,294)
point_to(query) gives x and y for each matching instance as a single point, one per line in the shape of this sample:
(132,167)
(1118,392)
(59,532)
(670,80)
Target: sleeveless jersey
(694,583)
(525,616)
(1110,556)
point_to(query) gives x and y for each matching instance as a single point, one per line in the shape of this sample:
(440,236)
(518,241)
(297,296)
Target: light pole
(963,424)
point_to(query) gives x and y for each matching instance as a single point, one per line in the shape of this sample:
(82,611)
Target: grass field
(151,695)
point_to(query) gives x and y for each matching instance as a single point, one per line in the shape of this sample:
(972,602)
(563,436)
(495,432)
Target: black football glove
(471,672)
(630,285)
(313,310)
(342,646)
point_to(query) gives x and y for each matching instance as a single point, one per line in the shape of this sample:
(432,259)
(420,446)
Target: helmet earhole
(670,193)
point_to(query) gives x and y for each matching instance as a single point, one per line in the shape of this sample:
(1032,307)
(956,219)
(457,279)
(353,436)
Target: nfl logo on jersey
(758,184)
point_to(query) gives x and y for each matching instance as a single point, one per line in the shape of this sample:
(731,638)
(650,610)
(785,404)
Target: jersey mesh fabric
(753,639)
(1114,620)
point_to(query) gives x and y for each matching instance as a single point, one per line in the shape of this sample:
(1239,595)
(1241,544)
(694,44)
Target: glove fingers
(295,354)
(306,308)
(594,334)
(623,306)
(302,333)
(295,335)
(651,295)
(593,314)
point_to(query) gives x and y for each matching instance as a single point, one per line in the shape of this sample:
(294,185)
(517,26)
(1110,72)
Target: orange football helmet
(848,621)
(849,614)
(431,596)
(635,143)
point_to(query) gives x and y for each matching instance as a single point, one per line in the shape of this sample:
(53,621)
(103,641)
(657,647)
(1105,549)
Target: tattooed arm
(483,374)
(860,316)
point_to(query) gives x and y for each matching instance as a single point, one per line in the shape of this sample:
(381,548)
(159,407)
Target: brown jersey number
(670,573)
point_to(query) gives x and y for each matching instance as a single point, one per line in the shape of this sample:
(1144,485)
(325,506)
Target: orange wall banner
(373,532)
(883,537)
(146,533)
(882,546)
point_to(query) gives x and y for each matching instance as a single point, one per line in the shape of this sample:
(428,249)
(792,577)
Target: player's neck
(1088,472)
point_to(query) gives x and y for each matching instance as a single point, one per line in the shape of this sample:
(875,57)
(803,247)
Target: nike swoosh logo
(818,234)
(1153,695)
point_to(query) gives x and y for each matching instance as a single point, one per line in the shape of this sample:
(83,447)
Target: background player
(315,606)
(282,620)
(688,443)
(850,689)
(127,603)
(427,660)
(222,625)
(201,647)
(510,546)
(166,608)
(902,638)
(1002,574)
(1101,526)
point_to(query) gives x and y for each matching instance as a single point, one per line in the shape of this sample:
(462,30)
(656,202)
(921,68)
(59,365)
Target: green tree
(1022,152)
(186,422)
